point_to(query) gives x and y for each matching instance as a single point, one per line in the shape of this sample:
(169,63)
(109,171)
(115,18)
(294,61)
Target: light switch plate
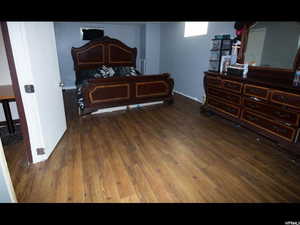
(29,88)
(40,151)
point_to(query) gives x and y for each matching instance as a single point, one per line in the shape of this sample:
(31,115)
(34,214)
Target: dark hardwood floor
(160,153)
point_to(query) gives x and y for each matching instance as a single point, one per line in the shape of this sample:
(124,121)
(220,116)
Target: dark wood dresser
(265,102)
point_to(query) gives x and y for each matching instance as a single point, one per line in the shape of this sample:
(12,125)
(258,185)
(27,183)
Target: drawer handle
(255,99)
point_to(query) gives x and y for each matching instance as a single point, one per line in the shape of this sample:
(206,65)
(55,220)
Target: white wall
(5,79)
(186,59)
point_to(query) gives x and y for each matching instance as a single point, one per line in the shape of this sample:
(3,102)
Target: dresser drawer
(274,112)
(279,130)
(232,98)
(226,108)
(232,86)
(213,81)
(285,98)
(256,91)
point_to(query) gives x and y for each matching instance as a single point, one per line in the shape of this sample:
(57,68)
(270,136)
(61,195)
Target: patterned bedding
(102,72)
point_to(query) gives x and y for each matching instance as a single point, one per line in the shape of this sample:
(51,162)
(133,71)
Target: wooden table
(7,95)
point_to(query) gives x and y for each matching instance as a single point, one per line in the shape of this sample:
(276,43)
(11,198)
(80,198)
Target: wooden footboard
(122,91)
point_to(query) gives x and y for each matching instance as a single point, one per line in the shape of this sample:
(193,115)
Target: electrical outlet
(40,151)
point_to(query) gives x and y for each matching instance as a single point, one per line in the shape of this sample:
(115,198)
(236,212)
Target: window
(195,29)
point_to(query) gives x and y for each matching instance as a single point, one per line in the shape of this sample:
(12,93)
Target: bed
(106,76)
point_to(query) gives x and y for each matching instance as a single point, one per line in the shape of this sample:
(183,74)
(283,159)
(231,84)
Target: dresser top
(282,84)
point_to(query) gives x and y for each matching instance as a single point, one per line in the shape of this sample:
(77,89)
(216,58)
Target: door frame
(16,88)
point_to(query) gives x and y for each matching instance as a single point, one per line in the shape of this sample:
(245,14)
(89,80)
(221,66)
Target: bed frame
(117,91)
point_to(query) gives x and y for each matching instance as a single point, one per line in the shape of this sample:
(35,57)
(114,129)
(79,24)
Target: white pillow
(106,71)
(111,71)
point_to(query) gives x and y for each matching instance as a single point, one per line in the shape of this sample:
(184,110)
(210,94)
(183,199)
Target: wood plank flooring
(160,153)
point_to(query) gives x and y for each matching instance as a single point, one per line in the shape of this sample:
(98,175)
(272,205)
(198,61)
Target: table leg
(8,117)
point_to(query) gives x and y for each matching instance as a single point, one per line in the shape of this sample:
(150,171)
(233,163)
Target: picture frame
(225,62)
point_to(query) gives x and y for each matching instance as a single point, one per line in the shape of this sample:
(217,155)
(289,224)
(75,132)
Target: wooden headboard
(105,51)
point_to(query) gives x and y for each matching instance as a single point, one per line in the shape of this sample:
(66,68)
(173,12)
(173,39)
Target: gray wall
(143,41)
(187,58)
(152,48)
(67,35)
(143,48)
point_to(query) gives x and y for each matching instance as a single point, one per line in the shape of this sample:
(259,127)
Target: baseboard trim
(190,97)
(69,88)
(119,108)
(112,109)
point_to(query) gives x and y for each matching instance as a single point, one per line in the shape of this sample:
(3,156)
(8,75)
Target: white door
(7,193)
(255,45)
(35,56)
